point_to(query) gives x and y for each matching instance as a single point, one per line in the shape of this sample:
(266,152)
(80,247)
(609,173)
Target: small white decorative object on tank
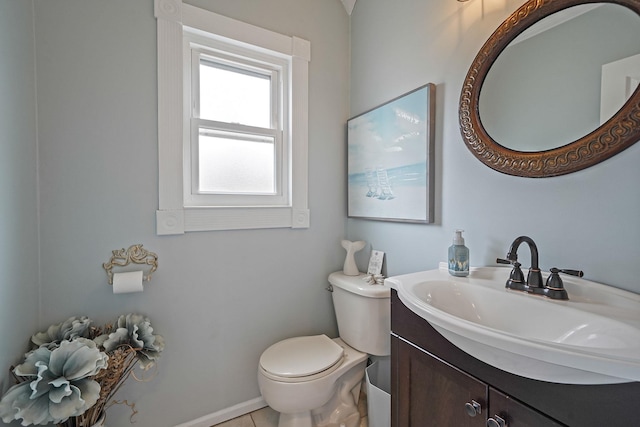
(350,268)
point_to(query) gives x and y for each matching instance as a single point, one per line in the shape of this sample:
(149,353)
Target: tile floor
(267,417)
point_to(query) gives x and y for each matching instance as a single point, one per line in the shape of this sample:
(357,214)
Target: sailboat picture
(390,161)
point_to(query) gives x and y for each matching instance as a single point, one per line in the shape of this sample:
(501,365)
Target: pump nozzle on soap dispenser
(458,256)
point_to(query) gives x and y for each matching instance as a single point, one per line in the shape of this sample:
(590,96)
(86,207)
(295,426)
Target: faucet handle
(570,272)
(516,278)
(554,281)
(554,288)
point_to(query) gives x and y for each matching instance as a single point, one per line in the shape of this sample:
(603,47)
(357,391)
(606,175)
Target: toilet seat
(301,358)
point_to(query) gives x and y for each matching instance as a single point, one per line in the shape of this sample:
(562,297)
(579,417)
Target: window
(232,131)
(237,141)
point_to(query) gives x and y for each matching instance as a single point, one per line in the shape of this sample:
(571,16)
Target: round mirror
(556,71)
(555,88)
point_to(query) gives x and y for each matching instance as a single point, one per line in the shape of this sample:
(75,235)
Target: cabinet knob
(473,408)
(496,421)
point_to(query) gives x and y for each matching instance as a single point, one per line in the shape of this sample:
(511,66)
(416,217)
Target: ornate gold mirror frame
(615,135)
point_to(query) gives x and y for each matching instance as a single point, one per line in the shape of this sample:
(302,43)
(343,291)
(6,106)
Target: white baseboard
(226,414)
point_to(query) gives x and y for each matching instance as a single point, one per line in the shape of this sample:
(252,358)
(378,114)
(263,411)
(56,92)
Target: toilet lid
(301,356)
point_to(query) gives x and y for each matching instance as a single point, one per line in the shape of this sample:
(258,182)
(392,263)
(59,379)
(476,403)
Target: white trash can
(378,377)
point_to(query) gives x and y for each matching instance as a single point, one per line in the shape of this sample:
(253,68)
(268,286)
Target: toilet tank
(363,313)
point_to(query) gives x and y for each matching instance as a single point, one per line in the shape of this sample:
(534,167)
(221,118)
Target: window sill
(180,221)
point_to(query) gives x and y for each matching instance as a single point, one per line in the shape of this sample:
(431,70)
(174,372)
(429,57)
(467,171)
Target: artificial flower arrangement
(73,370)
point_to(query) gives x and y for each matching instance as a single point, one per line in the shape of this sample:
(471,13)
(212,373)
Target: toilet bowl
(316,390)
(314,381)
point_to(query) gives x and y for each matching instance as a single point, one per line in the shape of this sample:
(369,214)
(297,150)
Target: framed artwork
(390,159)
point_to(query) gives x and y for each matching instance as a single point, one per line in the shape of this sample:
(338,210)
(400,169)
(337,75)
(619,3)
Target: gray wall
(18,185)
(219,298)
(586,220)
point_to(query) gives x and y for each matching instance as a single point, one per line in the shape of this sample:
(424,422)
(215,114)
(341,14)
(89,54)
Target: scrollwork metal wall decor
(136,254)
(614,136)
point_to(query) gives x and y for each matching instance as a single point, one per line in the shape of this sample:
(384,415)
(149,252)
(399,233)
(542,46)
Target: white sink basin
(594,338)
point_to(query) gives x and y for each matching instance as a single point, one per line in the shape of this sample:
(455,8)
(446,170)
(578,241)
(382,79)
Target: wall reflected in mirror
(547,88)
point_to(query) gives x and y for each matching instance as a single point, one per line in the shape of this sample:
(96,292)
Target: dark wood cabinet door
(516,414)
(433,393)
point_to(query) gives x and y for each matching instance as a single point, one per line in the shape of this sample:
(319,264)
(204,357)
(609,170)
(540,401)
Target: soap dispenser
(458,256)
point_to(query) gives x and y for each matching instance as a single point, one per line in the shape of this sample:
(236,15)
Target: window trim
(172,217)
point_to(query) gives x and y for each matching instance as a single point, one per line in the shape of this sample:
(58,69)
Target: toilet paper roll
(130,281)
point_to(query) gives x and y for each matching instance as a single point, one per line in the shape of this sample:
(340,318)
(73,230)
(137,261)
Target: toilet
(314,381)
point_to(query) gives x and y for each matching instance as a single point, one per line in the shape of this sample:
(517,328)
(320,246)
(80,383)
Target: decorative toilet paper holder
(136,254)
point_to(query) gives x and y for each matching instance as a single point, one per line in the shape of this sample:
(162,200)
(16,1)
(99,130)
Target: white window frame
(195,47)
(178,212)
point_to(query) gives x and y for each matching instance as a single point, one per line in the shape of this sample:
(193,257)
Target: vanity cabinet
(514,413)
(433,383)
(433,393)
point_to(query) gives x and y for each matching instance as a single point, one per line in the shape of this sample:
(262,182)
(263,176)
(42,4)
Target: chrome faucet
(534,283)
(553,288)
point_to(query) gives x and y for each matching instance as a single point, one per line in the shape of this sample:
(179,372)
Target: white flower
(70,329)
(57,384)
(134,330)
